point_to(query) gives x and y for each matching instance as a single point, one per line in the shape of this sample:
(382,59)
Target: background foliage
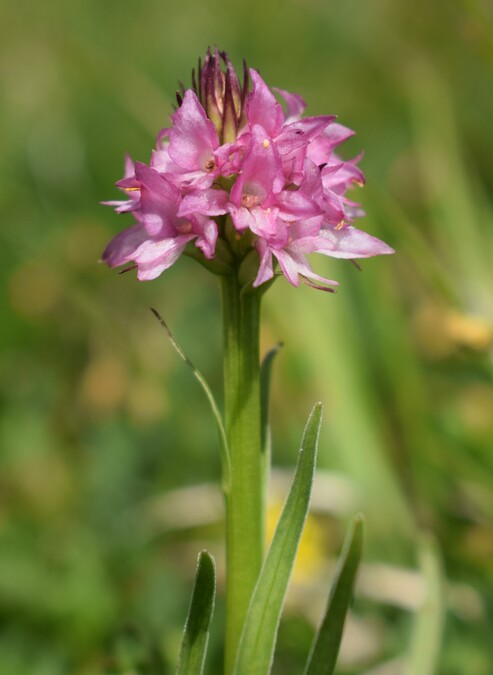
(101,422)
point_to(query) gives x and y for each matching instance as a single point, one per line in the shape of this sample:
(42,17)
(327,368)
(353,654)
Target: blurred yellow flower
(311,552)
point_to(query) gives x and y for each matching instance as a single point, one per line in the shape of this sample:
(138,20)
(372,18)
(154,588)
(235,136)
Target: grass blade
(196,634)
(225,460)
(428,626)
(258,639)
(325,647)
(265,375)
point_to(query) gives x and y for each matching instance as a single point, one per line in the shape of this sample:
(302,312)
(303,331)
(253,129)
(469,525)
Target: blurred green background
(103,427)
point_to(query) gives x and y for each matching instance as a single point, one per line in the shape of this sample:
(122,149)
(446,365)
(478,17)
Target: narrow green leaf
(265,375)
(325,646)
(196,633)
(225,459)
(428,624)
(259,634)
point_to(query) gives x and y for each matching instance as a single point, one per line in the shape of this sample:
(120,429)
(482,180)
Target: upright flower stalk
(249,189)
(244,496)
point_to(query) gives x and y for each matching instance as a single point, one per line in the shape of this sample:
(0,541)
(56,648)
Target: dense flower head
(243,183)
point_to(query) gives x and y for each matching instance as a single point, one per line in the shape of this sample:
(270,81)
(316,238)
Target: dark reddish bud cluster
(218,89)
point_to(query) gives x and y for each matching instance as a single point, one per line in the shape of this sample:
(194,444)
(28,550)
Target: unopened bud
(218,89)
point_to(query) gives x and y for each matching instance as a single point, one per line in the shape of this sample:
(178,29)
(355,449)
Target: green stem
(244,498)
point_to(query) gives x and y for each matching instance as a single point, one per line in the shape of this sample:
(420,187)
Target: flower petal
(350,242)
(121,248)
(321,148)
(265,223)
(295,204)
(150,270)
(159,202)
(242,217)
(295,104)
(342,176)
(262,107)
(162,162)
(161,250)
(208,232)
(261,175)
(209,202)
(265,270)
(193,137)
(301,132)
(294,263)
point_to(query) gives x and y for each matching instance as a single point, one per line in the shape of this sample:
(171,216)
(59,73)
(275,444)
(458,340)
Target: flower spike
(238,177)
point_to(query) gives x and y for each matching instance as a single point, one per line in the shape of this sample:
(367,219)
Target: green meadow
(109,458)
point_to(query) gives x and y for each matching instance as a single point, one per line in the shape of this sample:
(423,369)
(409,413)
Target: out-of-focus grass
(96,408)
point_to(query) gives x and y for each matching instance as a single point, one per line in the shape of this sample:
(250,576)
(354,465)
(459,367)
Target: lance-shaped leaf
(325,647)
(196,634)
(265,375)
(428,623)
(225,460)
(259,634)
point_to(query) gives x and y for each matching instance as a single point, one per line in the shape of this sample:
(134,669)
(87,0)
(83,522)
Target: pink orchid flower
(159,237)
